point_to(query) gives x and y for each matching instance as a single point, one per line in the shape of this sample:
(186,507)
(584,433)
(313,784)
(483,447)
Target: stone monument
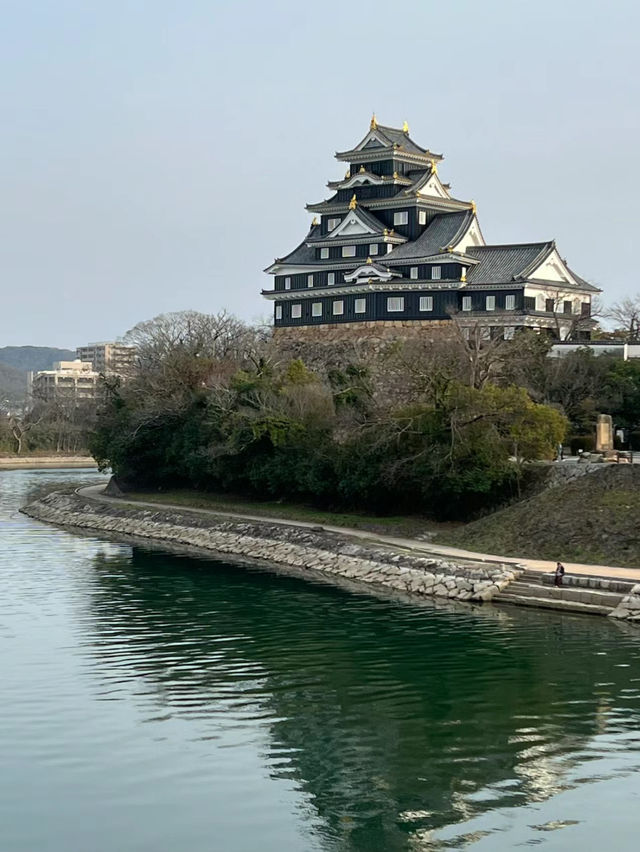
(604,434)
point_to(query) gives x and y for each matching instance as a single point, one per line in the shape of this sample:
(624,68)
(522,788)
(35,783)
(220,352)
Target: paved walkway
(95,492)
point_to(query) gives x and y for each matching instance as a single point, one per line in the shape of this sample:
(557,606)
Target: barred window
(296,311)
(436,272)
(316,309)
(401,217)
(510,303)
(324,253)
(395,303)
(348,251)
(413,272)
(338,308)
(490,303)
(426,303)
(360,306)
(466,303)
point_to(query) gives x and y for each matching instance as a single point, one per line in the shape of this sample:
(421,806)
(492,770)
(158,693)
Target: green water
(157,703)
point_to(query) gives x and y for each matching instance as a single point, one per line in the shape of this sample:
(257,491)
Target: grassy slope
(402,526)
(595,519)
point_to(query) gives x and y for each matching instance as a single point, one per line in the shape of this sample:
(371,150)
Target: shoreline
(46,462)
(309,550)
(377,564)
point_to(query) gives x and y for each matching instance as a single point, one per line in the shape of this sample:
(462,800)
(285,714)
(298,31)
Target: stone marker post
(604,433)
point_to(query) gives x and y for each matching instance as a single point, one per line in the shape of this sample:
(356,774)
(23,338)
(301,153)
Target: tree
(626,315)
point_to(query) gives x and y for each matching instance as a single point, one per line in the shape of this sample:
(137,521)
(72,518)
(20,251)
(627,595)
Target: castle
(392,246)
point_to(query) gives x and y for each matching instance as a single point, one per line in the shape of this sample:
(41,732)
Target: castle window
(373,248)
(287,283)
(278,312)
(324,253)
(510,303)
(509,332)
(490,303)
(309,280)
(466,303)
(395,303)
(316,309)
(401,217)
(389,248)
(360,306)
(426,303)
(348,251)
(436,272)
(296,311)
(413,272)
(422,217)
(338,308)
(332,223)
(331,278)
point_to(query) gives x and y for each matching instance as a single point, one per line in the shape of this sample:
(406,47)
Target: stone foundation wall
(324,347)
(302,549)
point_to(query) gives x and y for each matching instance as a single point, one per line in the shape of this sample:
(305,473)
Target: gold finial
(405,127)
(395,175)
(474,209)
(369,260)
(362,170)
(374,123)
(463,274)
(434,167)
(315,221)
(353,203)
(449,249)
(347,174)
(385,232)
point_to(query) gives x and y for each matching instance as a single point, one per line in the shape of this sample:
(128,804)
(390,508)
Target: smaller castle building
(392,245)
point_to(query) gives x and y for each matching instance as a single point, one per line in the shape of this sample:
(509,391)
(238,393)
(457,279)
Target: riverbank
(47,462)
(301,547)
(416,568)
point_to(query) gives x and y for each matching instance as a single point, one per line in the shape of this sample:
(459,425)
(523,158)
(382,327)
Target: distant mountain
(13,388)
(34,358)
(16,362)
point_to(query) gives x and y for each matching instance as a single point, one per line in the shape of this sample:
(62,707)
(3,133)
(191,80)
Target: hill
(16,362)
(27,358)
(13,387)
(590,519)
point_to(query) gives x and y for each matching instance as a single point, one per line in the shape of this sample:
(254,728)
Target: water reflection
(395,720)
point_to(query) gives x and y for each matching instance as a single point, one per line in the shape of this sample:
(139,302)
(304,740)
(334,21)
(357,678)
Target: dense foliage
(215,407)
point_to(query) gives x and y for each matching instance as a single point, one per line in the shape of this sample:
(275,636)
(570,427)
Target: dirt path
(95,492)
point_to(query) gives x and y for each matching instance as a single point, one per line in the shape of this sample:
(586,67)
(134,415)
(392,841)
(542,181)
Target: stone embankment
(303,550)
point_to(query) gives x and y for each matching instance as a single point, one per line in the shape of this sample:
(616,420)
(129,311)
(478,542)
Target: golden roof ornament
(353,203)
(374,124)
(449,249)
(347,174)
(405,127)
(434,167)
(369,260)
(315,221)
(362,170)
(385,232)
(463,274)
(395,175)
(474,209)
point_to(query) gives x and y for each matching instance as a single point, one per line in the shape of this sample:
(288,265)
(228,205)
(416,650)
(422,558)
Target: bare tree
(626,315)
(569,323)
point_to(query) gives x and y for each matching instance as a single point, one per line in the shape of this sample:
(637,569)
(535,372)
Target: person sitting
(559,573)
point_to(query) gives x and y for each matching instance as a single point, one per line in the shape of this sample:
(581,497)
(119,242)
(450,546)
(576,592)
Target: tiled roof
(303,254)
(443,230)
(399,137)
(501,264)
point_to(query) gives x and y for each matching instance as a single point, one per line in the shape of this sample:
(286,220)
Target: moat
(158,702)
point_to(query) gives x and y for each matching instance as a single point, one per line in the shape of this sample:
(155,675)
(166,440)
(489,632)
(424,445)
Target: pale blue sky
(157,155)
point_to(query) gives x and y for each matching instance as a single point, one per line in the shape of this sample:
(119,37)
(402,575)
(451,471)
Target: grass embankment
(594,519)
(401,526)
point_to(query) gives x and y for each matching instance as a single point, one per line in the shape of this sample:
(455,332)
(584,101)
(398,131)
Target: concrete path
(96,492)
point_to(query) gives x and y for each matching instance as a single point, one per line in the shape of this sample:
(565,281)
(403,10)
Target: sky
(156,156)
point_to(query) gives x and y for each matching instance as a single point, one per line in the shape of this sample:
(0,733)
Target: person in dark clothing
(559,573)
